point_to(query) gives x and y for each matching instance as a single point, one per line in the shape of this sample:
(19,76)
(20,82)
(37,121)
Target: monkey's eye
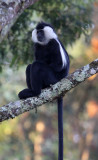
(39,31)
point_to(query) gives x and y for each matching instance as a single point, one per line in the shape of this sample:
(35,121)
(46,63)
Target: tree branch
(9,12)
(49,94)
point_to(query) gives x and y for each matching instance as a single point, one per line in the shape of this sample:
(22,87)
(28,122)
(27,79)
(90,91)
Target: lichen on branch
(14,109)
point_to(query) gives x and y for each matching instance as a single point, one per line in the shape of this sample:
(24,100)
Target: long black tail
(60,128)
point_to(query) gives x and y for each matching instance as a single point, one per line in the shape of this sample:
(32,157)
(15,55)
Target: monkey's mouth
(40,38)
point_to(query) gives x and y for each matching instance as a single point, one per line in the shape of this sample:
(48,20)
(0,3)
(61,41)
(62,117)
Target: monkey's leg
(36,78)
(41,76)
(28,76)
(49,78)
(34,81)
(25,93)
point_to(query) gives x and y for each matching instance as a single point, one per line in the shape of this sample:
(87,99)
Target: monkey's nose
(40,36)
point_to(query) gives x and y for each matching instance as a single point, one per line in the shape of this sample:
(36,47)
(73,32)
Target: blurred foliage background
(34,136)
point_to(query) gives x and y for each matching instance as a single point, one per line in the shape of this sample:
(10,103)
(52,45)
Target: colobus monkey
(50,66)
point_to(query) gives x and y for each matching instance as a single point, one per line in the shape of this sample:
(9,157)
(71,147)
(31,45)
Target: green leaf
(0,68)
(14,60)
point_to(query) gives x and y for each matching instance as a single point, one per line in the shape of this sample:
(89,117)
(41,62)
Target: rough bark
(49,94)
(9,12)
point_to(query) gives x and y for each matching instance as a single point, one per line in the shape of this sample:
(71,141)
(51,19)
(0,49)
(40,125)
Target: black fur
(41,25)
(47,69)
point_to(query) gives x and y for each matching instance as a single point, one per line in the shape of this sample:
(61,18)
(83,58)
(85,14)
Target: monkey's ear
(34,36)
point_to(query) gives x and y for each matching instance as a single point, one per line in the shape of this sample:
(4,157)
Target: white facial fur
(49,34)
(34,36)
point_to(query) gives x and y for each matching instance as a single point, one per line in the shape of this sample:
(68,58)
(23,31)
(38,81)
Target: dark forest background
(34,136)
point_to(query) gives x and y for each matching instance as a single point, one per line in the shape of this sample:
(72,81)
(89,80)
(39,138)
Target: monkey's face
(40,35)
(43,34)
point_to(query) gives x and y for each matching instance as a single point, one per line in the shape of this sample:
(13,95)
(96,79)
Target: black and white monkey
(50,66)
